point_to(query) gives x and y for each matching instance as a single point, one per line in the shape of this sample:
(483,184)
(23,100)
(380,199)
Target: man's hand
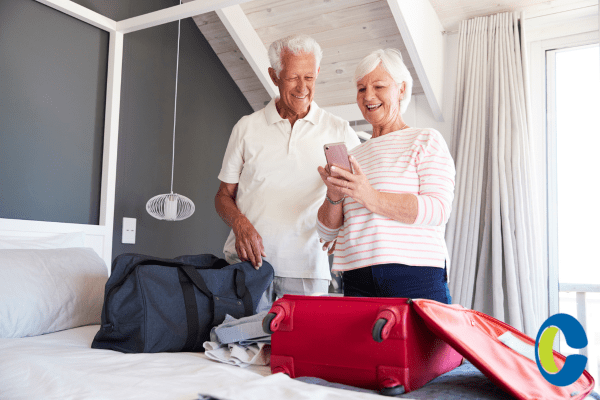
(329,246)
(248,243)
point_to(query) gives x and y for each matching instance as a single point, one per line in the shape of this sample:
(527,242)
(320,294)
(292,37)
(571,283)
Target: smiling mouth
(298,97)
(372,107)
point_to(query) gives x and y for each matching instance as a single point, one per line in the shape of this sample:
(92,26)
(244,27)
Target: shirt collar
(273,116)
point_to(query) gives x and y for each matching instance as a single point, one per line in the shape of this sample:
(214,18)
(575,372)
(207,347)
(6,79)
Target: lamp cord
(175,111)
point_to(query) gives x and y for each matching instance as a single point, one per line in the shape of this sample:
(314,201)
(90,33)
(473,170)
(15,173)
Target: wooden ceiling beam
(421,31)
(249,43)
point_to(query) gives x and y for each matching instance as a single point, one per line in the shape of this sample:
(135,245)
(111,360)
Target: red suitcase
(476,336)
(373,343)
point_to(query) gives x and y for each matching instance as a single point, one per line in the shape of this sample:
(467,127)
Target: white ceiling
(451,12)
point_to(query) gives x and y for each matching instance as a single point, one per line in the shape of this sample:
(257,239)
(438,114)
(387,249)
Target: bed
(51,294)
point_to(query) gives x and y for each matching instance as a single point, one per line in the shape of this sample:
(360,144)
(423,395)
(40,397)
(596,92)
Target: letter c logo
(544,357)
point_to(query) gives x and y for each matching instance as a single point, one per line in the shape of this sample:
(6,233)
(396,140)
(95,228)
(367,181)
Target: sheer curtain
(493,236)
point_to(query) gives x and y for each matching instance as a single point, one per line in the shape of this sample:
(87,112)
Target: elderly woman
(389,215)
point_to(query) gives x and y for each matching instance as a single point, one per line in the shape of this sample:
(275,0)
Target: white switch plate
(128,230)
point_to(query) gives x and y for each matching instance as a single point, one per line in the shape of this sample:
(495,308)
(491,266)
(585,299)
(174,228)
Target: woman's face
(378,97)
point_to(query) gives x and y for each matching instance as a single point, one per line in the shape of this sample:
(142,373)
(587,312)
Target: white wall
(419,113)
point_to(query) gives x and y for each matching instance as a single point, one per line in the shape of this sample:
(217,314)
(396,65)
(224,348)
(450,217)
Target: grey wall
(209,104)
(52,97)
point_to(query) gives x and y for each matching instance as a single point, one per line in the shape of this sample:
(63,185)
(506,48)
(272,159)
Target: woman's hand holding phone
(335,154)
(355,185)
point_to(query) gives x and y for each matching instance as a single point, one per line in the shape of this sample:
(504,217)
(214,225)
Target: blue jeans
(398,280)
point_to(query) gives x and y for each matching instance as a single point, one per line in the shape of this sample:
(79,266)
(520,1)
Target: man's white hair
(391,61)
(295,44)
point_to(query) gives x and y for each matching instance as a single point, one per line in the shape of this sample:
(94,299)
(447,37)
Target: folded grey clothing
(241,356)
(245,331)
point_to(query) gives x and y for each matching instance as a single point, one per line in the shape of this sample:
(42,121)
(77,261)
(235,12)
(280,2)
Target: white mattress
(62,365)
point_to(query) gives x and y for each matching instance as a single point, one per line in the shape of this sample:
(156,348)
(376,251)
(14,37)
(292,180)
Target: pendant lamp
(172,206)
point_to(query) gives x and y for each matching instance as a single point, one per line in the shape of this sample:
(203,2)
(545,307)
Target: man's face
(296,82)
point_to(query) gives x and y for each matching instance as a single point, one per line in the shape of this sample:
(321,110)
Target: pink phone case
(337,154)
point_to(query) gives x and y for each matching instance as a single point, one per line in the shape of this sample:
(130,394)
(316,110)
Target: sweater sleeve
(326,233)
(436,171)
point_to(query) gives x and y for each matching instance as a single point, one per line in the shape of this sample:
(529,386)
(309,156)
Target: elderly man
(269,193)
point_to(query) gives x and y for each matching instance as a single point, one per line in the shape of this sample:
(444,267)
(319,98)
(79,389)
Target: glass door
(573,129)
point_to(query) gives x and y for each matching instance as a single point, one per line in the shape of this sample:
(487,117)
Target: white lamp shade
(170,207)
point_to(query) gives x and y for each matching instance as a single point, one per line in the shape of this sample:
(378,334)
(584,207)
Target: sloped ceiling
(347,30)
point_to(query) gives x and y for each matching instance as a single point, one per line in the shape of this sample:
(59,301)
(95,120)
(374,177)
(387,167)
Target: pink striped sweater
(409,161)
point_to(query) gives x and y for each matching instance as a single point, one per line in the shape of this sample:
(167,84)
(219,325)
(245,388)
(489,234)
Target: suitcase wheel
(266,323)
(378,329)
(392,391)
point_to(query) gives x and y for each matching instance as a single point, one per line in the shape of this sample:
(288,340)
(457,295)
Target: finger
(342,173)
(355,166)
(262,254)
(256,254)
(332,248)
(242,254)
(261,247)
(246,250)
(337,182)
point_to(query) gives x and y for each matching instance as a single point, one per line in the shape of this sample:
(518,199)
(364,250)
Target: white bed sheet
(62,365)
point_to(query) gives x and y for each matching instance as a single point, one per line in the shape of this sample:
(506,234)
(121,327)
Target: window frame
(543,89)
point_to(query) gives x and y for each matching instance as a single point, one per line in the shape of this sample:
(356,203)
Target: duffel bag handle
(190,301)
(241,290)
(130,270)
(239,278)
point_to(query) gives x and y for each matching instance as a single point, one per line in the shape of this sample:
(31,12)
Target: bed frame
(100,237)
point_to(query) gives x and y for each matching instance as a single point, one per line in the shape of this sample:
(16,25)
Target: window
(573,135)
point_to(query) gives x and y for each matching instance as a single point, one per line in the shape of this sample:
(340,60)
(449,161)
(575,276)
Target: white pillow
(52,241)
(43,291)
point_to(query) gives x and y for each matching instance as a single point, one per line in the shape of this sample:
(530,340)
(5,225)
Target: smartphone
(337,154)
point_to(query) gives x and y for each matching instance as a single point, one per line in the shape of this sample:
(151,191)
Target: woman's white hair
(295,44)
(391,61)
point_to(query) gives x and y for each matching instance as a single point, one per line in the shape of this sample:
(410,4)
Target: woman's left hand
(355,185)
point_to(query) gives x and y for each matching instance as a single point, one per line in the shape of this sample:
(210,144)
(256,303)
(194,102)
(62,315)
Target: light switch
(128,230)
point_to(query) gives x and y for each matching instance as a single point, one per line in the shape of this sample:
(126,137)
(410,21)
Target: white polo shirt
(279,188)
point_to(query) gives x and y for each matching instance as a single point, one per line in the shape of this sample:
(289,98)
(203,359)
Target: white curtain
(493,236)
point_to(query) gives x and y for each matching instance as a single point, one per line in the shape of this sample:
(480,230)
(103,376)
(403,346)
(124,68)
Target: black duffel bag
(156,305)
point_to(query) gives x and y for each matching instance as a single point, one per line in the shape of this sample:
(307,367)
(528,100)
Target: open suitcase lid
(475,335)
